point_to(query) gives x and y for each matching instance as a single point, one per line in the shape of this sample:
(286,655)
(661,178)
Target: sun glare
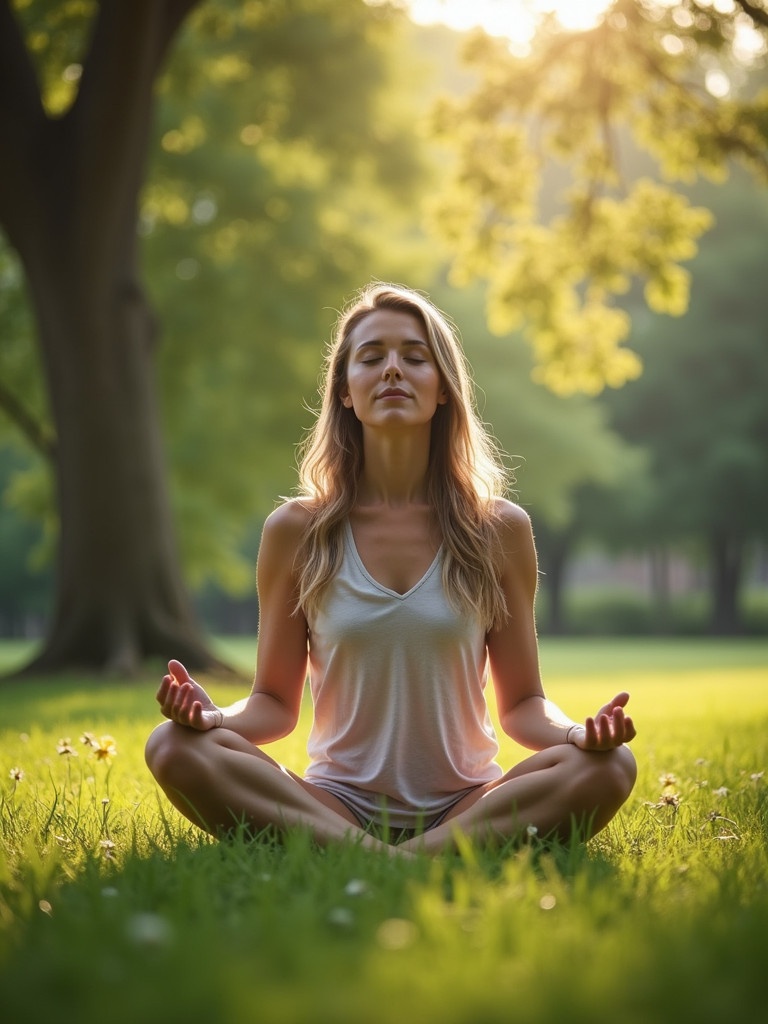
(515,19)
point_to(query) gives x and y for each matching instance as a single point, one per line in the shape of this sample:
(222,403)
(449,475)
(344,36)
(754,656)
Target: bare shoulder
(284,529)
(514,522)
(511,514)
(515,533)
(289,519)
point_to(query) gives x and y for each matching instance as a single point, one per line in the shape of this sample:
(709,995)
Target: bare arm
(258,718)
(525,713)
(272,709)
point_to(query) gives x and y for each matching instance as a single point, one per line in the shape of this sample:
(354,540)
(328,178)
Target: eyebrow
(378,342)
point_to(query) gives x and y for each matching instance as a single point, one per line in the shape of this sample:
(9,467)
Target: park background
(299,150)
(188,192)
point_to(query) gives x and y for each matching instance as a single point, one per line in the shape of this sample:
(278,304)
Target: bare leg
(217,779)
(551,791)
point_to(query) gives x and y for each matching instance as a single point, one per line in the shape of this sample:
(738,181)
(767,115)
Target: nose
(391,370)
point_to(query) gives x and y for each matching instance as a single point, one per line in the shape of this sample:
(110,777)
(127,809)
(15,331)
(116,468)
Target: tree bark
(69,205)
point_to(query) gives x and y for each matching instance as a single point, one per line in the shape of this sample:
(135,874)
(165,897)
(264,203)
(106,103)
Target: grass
(113,908)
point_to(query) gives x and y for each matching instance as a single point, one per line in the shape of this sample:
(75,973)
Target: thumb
(178,671)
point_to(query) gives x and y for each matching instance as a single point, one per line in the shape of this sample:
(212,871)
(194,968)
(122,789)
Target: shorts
(394,835)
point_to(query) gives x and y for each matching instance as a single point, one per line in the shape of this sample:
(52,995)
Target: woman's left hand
(609,728)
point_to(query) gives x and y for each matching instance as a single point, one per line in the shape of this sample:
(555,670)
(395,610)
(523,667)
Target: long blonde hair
(464,474)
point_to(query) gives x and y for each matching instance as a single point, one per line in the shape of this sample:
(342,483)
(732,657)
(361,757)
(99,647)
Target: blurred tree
(556,446)
(700,407)
(77,83)
(699,418)
(25,578)
(538,201)
(260,213)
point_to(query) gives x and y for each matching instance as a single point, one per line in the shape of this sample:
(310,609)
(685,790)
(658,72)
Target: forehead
(387,325)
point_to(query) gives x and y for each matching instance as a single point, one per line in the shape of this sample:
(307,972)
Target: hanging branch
(31,428)
(758,14)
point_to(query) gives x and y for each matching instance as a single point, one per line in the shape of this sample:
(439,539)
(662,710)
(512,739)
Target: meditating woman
(398,579)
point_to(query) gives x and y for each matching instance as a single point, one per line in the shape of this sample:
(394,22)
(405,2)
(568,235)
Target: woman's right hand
(185,702)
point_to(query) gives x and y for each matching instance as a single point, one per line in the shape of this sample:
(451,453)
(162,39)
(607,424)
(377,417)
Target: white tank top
(401,727)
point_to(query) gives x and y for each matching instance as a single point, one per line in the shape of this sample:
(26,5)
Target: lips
(393,393)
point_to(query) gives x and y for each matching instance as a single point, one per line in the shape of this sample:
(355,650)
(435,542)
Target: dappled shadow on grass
(662,917)
(190,927)
(75,701)
(183,927)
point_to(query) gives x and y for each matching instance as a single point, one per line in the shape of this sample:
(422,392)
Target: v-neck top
(401,727)
(349,539)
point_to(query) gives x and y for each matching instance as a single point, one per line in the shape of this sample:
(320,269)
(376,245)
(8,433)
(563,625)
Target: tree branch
(108,126)
(689,95)
(758,14)
(31,428)
(22,117)
(20,100)
(129,41)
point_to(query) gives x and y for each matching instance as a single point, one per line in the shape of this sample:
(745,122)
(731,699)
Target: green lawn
(113,909)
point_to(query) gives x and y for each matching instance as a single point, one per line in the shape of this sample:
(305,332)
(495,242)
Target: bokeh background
(189,192)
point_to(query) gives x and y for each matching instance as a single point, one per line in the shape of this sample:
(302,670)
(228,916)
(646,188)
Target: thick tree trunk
(119,592)
(71,214)
(727,563)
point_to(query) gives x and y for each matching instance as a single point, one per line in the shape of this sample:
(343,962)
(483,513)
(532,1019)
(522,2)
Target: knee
(626,765)
(156,748)
(609,776)
(166,752)
(618,772)
(602,782)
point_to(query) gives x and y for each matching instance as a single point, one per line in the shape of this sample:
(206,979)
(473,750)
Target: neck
(394,471)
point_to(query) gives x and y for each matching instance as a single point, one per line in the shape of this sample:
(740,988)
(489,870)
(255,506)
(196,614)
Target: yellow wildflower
(105,749)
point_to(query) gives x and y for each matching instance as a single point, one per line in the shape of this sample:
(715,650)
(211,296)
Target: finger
(200,721)
(619,701)
(178,671)
(186,700)
(178,702)
(169,699)
(618,721)
(162,691)
(590,738)
(623,728)
(604,732)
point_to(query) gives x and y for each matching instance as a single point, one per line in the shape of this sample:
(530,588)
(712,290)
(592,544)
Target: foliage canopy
(594,118)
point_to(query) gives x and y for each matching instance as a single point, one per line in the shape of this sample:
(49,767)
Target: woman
(398,577)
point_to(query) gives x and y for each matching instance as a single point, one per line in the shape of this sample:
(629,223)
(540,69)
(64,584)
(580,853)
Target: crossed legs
(554,791)
(218,779)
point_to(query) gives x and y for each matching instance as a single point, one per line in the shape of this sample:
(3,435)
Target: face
(392,377)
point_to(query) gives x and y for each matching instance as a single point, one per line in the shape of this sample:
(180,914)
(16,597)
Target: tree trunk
(727,562)
(119,591)
(554,555)
(70,210)
(660,587)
